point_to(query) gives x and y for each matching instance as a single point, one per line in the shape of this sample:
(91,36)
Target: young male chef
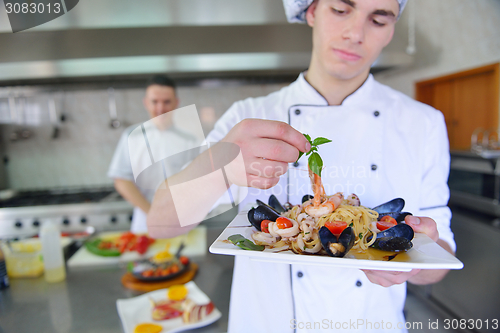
(160,98)
(384,145)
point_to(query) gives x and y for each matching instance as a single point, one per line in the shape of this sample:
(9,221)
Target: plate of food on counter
(175,309)
(160,267)
(332,230)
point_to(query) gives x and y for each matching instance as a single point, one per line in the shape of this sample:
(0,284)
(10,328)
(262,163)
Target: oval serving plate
(139,276)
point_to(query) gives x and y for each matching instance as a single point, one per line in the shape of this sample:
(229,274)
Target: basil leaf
(235,239)
(308,137)
(319,141)
(249,245)
(315,163)
(244,243)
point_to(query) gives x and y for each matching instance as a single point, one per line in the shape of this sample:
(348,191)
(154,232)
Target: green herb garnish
(352,224)
(244,243)
(315,162)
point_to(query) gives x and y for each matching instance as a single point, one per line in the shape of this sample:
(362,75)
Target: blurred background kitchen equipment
(115,123)
(72,209)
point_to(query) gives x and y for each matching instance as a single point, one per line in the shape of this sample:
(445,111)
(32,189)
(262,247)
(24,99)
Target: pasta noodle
(361,219)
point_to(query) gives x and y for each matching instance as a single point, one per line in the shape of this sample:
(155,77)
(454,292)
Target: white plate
(136,310)
(425,254)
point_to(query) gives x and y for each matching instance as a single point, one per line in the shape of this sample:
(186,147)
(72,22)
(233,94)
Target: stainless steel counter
(86,301)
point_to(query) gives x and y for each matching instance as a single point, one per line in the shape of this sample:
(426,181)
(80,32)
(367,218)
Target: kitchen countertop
(86,301)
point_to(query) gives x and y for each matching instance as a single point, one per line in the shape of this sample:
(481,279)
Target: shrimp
(320,205)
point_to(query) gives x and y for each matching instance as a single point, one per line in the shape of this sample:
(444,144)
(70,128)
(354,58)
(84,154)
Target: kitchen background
(55,104)
(450,36)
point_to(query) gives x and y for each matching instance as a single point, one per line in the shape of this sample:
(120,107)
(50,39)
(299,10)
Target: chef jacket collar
(309,95)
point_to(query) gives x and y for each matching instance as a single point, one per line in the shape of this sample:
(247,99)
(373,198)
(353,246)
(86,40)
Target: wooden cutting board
(195,242)
(129,281)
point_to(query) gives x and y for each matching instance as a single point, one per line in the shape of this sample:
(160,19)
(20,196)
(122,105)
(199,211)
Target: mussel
(336,247)
(395,239)
(261,213)
(274,202)
(392,208)
(307,197)
(395,205)
(398,216)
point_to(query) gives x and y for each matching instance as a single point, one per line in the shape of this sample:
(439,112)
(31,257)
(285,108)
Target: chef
(164,138)
(384,145)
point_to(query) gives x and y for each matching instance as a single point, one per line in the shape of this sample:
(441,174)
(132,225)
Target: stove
(73,210)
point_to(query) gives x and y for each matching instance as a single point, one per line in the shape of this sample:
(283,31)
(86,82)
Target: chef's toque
(295,10)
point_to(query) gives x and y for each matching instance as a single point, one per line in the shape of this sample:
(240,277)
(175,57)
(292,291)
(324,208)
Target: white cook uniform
(385,145)
(160,143)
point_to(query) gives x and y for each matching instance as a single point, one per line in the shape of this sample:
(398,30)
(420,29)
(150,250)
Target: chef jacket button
(374,167)
(358,283)
(296,164)
(376,113)
(300,274)
(297,112)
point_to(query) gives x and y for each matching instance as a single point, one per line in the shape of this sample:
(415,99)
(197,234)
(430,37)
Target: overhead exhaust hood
(180,37)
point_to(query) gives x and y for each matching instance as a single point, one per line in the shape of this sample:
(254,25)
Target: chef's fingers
(265,168)
(275,150)
(263,173)
(261,183)
(423,225)
(389,278)
(272,129)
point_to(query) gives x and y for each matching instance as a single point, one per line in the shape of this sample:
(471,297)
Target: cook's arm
(163,218)
(265,149)
(131,193)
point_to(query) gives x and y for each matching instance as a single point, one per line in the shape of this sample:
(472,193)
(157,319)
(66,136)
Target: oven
(473,292)
(475,181)
(22,213)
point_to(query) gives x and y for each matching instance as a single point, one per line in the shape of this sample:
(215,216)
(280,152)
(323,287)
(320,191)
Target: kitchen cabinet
(468,100)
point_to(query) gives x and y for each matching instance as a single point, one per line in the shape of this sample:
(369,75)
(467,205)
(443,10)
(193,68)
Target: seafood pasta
(330,224)
(298,228)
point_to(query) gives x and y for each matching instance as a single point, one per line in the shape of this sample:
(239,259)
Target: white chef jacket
(385,145)
(160,144)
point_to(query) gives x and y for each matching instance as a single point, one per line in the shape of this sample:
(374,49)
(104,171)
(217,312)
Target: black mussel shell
(395,205)
(398,216)
(307,197)
(395,239)
(261,213)
(400,230)
(393,244)
(274,202)
(345,241)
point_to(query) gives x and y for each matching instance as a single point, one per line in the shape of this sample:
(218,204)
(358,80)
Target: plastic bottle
(53,259)
(4,279)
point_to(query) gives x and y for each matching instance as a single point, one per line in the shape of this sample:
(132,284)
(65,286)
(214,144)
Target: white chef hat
(295,10)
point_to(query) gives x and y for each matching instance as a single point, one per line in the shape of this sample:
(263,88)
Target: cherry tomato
(336,227)
(386,222)
(184,260)
(264,226)
(142,244)
(283,223)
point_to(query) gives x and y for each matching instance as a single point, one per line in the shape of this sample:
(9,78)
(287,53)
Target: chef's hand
(388,278)
(267,147)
